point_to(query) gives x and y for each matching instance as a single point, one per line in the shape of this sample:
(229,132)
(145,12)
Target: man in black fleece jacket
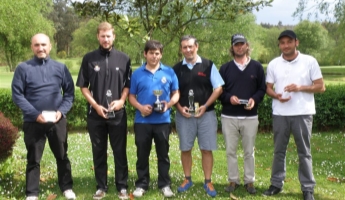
(243,90)
(104,80)
(42,85)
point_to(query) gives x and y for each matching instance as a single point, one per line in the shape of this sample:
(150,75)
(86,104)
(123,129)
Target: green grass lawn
(328,165)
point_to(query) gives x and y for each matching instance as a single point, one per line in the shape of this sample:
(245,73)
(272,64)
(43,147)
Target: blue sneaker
(210,189)
(185,185)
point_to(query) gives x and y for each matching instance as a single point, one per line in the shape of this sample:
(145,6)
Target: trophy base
(192,112)
(158,107)
(111,114)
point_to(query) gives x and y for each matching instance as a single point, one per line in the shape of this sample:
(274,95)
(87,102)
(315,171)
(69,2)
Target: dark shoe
(231,187)
(250,188)
(272,190)
(308,195)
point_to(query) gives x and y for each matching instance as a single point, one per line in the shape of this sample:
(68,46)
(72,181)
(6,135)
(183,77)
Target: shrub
(330,111)
(62,54)
(8,136)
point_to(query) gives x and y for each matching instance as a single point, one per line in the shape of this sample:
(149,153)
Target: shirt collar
(198,60)
(242,67)
(292,61)
(42,60)
(190,65)
(143,66)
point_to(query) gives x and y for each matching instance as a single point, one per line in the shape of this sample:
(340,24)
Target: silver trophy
(158,105)
(191,108)
(110,113)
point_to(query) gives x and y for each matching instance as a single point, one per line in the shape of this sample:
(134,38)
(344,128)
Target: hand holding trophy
(110,113)
(158,106)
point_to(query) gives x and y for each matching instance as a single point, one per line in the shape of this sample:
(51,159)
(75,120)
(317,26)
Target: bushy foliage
(8,136)
(330,111)
(62,54)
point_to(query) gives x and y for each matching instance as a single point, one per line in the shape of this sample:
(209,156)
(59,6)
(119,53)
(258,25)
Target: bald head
(40,45)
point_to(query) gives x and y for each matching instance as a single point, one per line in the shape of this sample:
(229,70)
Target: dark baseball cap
(238,38)
(288,33)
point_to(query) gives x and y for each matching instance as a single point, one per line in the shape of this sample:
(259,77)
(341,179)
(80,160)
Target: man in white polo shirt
(292,79)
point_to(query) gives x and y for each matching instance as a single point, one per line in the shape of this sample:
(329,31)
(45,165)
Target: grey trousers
(300,126)
(233,131)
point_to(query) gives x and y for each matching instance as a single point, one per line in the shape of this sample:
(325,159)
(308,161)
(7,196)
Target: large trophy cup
(110,113)
(158,106)
(191,108)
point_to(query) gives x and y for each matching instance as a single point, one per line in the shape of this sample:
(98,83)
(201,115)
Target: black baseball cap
(288,33)
(238,38)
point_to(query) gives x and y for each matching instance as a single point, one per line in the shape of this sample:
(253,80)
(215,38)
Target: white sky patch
(281,10)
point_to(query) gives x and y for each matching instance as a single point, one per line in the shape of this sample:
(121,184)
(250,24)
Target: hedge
(330,108)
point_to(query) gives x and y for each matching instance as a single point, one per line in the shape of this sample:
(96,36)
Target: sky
(281,10)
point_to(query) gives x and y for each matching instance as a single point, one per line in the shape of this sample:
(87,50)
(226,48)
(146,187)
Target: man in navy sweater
(43,89)
(243,90)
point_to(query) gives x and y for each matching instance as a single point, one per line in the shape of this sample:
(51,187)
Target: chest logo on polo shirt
(164,80)
(96,68)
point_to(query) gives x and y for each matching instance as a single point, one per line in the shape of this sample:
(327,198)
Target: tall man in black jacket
(243,90)
(104,78)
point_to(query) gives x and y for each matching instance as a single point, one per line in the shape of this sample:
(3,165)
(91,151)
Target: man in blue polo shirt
(151,122)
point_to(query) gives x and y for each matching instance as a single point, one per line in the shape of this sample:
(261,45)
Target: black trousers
(116,130)
(144,133)
(35,136)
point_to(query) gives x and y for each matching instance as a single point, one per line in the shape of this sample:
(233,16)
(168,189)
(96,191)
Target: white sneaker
(123,194)
(69,194)
(31,198)
(100,194)
(138,192)
(167,192)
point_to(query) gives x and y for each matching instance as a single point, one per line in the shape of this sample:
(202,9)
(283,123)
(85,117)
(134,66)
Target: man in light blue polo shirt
(152,121)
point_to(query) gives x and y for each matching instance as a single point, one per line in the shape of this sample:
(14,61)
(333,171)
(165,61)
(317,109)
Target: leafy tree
(269,38)
(334,11)
(329,8)
(215,38)
(19,21)
(86,32)
(65,22)
(171,17)
(335,44)
(313,38)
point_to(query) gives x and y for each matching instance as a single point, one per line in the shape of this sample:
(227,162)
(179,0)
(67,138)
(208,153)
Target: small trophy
(110,113)
(191,108)
(158,105)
